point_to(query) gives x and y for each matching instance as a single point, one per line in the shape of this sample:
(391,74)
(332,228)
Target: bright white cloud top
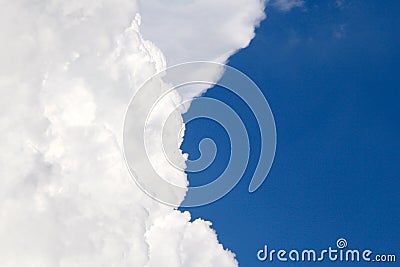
(67,72)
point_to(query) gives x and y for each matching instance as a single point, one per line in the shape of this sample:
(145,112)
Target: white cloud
(287,5)
(67,72)
(200,29)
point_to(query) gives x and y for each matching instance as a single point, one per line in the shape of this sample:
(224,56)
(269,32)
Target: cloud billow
(68,70)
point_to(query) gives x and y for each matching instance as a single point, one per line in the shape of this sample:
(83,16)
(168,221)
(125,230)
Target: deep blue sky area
(331,75)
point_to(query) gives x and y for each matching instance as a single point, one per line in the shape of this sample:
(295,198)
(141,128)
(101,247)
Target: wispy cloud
(340,32)
(340,3)
(287,5)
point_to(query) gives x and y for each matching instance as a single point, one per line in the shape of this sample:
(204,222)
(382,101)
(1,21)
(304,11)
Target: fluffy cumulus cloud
(67,72)
(200,30)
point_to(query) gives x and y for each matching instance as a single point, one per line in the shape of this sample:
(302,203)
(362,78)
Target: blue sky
(331,76)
